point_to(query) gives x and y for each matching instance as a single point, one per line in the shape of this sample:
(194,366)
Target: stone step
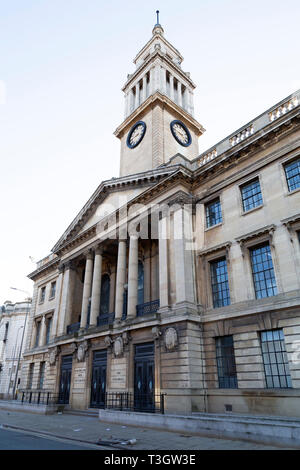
(93,412)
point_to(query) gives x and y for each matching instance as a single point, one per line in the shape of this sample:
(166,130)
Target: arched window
(105,294)
(140,283)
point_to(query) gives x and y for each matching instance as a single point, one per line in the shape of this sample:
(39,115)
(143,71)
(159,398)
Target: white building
(12,325)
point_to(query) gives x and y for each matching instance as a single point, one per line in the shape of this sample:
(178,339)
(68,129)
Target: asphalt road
(12,440)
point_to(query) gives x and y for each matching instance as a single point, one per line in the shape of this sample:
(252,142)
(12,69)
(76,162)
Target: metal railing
(105,319)
(73,328)
(127,401)
(37,397)
(147,308)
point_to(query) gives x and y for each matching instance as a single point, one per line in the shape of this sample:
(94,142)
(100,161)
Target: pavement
(78,429)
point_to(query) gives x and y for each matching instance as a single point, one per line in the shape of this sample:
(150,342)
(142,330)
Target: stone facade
(182,275)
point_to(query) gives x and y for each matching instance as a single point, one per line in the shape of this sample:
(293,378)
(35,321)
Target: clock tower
(159,110)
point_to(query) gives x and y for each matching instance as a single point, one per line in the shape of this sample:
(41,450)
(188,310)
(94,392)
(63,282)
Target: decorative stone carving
(156,332)
(81,351)
(118,347)
(171,339)
(108,341)
(126,337)
(53,353)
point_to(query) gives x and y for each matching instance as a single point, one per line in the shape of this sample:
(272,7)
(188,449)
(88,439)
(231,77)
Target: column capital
(99,250)
(89,254)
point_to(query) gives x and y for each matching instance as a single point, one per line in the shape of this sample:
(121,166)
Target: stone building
(182,275)
(13,330)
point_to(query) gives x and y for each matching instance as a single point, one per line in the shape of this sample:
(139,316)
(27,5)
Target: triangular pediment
(109,197)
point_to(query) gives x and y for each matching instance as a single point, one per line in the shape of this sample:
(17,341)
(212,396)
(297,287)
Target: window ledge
(252,210)
(213,226)
(289,193)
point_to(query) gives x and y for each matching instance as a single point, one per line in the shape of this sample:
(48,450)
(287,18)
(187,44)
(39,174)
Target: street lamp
(20,352)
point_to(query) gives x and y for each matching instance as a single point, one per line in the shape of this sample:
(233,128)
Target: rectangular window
(213,213)
(30,375)
(42,295)
(42,375)
(48,330)
(226,362)
(52,290)
(37,337)
(219,283)
(263,271)
(275,359)
(292,173)
(6,332)
(251,195)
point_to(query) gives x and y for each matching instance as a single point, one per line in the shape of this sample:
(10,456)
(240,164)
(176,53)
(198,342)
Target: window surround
(244,182)
(251,240)
(42,300)
(51,297)
(292,225)
(282,163)
(206,257)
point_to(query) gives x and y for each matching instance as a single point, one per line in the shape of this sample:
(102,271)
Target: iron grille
(147,308)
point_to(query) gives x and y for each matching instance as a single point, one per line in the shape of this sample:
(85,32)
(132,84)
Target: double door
(98,386)
(144,373)
(65,380)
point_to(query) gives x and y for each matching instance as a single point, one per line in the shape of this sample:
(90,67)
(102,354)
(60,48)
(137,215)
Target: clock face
(136,134)
(181,133)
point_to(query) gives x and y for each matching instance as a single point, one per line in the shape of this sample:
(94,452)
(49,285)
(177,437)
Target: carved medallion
(171,339)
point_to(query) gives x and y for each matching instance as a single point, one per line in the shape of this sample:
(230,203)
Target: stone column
(190,102)
(57,301)
(163,262)
(184,263)
(171,87)
(147,276)
(64,301)
(152,81)
(137,95)
(144,88)
(86,289)
(163,80)
(179,93)
(70,294)
(96,288)
(112,292)
(43,331)
(132,276)
(33,337)
(121,277)
(154,272)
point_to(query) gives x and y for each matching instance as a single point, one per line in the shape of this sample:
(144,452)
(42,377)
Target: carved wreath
(171,339)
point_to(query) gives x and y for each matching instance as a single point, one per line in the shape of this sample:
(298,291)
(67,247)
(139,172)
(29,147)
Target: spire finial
(157,15)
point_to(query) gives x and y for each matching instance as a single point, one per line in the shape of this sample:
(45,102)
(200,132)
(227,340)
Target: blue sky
(63,63)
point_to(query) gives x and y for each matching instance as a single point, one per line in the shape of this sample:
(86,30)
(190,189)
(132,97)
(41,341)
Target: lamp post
(20,352)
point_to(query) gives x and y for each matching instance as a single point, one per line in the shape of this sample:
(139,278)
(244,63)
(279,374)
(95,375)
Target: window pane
(219,283)
(263,271)
(251,195)
(275,359)
(213,213)
(226,362)
(292,172)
